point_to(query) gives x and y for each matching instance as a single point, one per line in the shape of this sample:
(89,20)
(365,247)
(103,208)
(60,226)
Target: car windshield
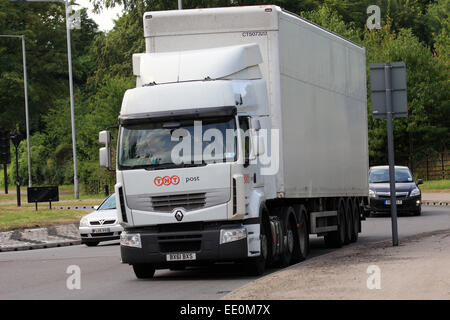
(169,144)
(382,175)
(109,203)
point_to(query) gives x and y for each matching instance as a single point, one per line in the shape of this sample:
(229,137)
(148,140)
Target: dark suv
(409,197)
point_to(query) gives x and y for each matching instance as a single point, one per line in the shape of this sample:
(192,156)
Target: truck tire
(348,221)
(335,239)
(301,251)
(143,271)
(289,230)
(355,220)
(257,266)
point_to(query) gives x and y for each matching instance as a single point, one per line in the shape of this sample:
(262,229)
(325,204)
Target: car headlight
(415,192)
(230,235)
(372,194)
(84,222)
(130,240)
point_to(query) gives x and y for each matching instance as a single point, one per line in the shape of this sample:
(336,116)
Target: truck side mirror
(258,146)
(256,125)
(261,146)
(104,137)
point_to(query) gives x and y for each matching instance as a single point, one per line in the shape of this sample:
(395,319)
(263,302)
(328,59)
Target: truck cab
(187,154)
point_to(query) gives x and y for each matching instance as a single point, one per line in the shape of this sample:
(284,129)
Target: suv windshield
(109,203)
(177,143)
(382,175)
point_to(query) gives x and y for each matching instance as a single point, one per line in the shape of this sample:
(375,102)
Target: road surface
(41,274)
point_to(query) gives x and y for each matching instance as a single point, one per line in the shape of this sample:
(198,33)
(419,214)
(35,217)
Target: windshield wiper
(173,165)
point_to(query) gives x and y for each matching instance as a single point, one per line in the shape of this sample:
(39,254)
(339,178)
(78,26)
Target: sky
(105,19)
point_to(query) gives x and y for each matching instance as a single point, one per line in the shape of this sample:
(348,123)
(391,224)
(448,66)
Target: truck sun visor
(177,115)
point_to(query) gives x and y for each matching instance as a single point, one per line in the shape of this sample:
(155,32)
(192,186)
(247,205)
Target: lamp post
(72,113)
(25,86)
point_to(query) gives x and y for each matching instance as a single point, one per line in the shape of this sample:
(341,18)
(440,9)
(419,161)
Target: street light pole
(26,110)
(72,113)
(25,86)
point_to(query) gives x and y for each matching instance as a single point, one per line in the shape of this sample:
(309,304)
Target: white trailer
(298,90)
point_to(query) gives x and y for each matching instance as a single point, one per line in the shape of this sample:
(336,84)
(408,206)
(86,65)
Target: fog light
(230,235)
(130,240)
(418,203)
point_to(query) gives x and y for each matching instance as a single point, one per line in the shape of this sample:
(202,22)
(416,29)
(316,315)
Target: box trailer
(246,133)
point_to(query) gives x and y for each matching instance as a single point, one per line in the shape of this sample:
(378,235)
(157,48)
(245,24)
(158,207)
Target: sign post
(388,93)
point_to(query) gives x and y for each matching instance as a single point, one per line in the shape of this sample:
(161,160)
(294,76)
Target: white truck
(246,133)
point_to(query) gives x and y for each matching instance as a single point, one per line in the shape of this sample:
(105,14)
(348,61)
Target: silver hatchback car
(101,225)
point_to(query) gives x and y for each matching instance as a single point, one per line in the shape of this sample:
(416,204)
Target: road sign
(43,194)
(5,156)
(398,90)
(388,86)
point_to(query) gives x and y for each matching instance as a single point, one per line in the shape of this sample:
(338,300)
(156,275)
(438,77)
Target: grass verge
(436,186)
(19,218)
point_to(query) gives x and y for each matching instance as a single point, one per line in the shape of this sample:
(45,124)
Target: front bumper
(157,243)
(89,234)
(409,204)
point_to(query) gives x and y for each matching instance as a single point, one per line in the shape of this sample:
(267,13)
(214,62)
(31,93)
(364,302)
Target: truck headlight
(372,194)
(230,235)
(130,240)
(84,222)
(415,192)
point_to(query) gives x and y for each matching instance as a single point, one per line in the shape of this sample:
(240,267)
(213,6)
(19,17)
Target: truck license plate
(101,230)
(180,256)
(389,201)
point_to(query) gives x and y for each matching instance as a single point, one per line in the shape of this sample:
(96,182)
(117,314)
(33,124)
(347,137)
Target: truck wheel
(289,230)
(301,250)
(355,220)
(335,239)
(143,271)
(257,266)
(348,221)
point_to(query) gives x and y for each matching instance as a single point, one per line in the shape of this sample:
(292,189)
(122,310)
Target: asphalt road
(41,274)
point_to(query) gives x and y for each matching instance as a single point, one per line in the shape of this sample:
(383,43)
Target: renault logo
(179,215)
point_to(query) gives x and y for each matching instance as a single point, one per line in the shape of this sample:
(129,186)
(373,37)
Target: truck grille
(165,202)
(180,243)
(189,201)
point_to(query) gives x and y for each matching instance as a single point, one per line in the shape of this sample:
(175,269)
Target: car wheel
(91,244)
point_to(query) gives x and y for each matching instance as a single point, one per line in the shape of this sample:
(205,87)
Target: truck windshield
(178,143)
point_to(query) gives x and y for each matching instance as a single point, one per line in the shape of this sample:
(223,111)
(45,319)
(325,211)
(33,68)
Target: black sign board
(43,194)
(5,157)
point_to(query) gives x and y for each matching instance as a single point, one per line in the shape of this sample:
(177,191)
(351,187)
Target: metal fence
(432,167)
(104,186)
